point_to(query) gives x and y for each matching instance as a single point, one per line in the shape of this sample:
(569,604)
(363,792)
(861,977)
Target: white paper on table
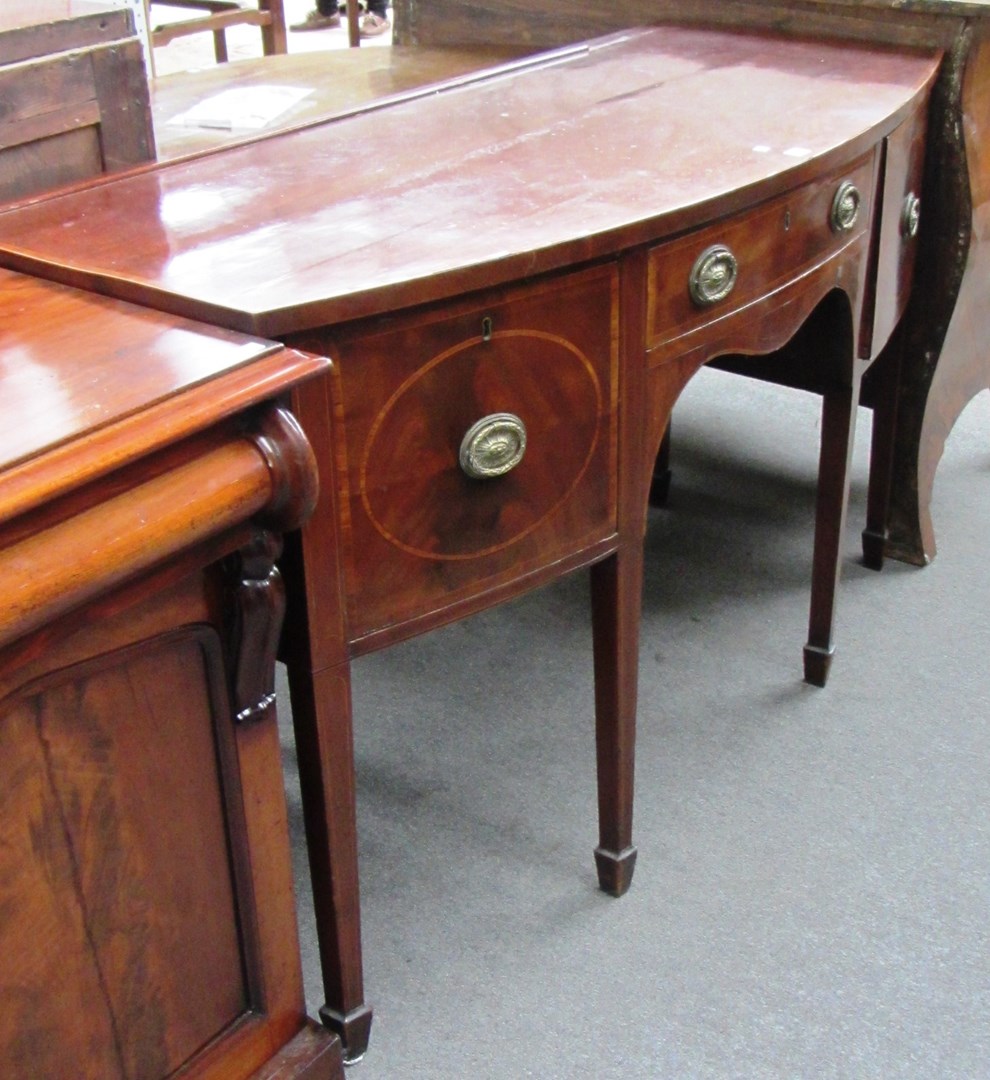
(248,107)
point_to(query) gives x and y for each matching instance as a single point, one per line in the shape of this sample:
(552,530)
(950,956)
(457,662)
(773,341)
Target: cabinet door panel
(116,888)
(533,368)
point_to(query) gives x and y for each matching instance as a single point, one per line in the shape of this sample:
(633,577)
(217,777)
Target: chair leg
(273,36)
(616,585)
(839,406)
(220,46)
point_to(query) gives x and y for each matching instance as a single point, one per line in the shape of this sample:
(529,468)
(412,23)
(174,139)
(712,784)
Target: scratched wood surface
(560,160)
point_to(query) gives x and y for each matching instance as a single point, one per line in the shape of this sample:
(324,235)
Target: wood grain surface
(559,161)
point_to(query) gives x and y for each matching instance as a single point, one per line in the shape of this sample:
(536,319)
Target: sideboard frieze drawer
(720,269)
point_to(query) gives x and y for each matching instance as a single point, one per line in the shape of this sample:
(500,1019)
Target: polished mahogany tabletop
(90,383)
(565,157)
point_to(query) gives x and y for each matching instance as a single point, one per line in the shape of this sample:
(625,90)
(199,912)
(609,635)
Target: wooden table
(146,472)
(515,279)
(336,82)
(941,347)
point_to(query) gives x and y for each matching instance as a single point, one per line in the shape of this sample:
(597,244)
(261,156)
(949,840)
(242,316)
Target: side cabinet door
(127,935)
(900,220)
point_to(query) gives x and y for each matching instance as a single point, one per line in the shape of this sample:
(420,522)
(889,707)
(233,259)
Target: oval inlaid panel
(412,484)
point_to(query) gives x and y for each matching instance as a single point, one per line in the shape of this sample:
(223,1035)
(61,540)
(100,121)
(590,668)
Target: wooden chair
(217,16)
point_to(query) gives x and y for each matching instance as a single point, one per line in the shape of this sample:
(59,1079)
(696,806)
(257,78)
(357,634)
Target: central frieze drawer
(477,443)
(742,259)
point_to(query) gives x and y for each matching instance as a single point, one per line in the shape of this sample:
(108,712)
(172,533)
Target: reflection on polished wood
(520,242)
(941,348)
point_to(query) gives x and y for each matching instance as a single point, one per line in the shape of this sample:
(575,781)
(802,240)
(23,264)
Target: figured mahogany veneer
(423,535)
(145,877)
(520,244)
(777,243)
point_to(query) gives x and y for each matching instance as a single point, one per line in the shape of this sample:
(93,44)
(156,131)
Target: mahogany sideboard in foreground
(516,274)
(146,474)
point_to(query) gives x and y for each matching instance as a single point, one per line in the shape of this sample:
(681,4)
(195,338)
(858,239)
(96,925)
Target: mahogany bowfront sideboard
(940,349)
(147,471)
(515,275)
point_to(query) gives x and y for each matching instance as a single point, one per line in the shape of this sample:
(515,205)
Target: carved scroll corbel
(295,484)
(258,609)
(258,595)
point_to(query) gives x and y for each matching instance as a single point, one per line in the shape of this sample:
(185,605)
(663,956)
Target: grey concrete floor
(811,896)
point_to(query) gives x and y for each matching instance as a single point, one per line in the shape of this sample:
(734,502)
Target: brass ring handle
(845,207)
(713,275)
(493,446)
(911,216)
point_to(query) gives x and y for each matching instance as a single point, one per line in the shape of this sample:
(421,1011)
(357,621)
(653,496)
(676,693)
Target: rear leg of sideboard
(662,473)
(884,379)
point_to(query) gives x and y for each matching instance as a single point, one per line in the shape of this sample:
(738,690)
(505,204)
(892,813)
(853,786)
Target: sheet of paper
(247,108)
